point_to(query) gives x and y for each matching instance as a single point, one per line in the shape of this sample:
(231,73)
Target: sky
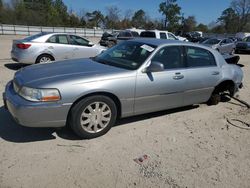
(205,11)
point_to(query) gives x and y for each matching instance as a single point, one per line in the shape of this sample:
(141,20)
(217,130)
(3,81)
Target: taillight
(23,46)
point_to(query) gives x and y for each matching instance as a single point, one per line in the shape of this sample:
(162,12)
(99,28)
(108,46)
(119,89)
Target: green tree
(73,20)
(1,4)
(61,9)
(139,19)
(189,24)
(95,18)
(1,11)
(171,11)
(126,21)
(202,27)
(218,29)
(242,9)
(230,20)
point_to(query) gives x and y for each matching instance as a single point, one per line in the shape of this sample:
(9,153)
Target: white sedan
(47,47)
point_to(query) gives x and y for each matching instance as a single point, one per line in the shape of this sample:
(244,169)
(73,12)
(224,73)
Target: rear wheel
(214,99)
(45,58)
(93,116)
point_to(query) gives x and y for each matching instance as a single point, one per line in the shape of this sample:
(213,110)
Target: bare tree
(242,8)
(112,17)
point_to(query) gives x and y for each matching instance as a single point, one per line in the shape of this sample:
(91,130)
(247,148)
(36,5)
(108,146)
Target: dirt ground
(186,147)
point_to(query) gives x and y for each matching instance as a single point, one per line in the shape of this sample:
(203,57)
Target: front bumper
(34,114)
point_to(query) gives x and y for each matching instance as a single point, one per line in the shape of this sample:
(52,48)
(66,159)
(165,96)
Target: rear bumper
(34,114)
(22,57)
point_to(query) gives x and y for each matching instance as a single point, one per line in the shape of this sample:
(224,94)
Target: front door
(162,90)
(81,47)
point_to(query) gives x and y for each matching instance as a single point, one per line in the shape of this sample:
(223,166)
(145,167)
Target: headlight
(40,95)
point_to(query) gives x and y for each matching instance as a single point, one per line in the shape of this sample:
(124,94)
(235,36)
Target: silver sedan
(46,47)
(224,46)
(131,78)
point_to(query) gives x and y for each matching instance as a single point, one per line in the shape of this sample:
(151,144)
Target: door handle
(50,47)
(215,73)
(178,77)
(76,48)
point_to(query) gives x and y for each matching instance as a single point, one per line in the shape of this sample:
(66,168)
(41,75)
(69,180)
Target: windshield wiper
(99,61)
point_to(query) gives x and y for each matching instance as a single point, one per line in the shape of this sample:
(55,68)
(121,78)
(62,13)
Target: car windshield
(30,38)
(211,41)
(247,39)
(128,55)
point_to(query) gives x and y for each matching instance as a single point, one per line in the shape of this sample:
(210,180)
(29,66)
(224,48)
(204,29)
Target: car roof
(158,42)
(162,42)
(157,31)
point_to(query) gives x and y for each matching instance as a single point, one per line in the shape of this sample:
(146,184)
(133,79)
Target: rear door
(59,46)
(81,47)
(202,75)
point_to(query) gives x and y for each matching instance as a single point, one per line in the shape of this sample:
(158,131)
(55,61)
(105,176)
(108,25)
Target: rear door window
(52,39)
(59,39)
(198,57)
(122,34)
(128,34)
(135,34)
(163,35)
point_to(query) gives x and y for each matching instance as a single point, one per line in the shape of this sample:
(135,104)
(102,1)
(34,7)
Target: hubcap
(45,60)
(95,117)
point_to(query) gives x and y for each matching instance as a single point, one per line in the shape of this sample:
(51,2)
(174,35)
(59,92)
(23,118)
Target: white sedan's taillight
(23,46)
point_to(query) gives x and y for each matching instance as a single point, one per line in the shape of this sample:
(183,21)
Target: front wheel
(93,116)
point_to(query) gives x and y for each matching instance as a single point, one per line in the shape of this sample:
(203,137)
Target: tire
(88,122)
(44,58)
(214,99)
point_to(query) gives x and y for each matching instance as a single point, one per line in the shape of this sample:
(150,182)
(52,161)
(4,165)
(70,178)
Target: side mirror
(154,67)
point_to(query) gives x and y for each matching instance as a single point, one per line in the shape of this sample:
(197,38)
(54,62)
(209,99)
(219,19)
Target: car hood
(36,75)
